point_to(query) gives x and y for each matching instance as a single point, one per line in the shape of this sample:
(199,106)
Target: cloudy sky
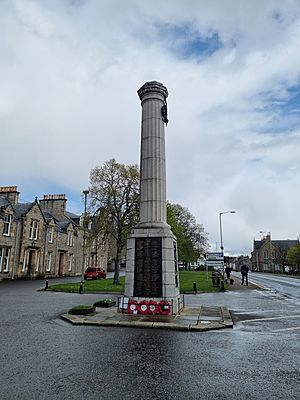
(69,72)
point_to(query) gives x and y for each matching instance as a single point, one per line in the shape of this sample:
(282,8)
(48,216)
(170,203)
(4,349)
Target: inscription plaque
(148,267)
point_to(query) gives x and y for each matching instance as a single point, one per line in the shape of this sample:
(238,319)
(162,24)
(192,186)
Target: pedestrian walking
(228,272)
(244,272)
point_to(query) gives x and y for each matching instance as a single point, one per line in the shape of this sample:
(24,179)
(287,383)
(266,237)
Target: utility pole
(221,236)
(85,193)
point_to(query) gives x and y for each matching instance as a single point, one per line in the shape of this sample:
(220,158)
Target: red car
(94,273)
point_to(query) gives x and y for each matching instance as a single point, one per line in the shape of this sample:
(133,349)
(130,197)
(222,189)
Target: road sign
(214,263)
(215,260)
(214,257)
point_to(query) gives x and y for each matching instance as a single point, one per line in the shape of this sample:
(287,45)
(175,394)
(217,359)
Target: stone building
(269,255)
(42,239)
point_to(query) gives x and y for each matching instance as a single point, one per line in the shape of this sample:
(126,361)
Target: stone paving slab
(200,318)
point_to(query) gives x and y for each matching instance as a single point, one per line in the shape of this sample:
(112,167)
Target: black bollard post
(81,288)
(195,287)
(47,283)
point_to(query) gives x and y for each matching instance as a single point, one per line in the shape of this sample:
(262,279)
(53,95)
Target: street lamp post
(221,235)
(85,193)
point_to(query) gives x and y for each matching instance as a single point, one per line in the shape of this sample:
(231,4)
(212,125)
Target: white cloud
(69,72)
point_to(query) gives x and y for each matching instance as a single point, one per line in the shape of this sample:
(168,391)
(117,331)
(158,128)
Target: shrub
(105,303)
(82,310)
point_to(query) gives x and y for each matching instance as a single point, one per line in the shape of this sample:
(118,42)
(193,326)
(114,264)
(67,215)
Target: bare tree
(114,190)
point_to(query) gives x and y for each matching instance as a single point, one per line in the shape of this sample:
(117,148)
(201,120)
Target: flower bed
(82,310)
(105,303)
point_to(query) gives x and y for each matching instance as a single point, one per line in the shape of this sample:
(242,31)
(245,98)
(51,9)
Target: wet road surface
(43,357)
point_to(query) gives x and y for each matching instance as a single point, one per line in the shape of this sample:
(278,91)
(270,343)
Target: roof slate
(75,218)
(62,225)
(287,244)
(4,202)
(22,209)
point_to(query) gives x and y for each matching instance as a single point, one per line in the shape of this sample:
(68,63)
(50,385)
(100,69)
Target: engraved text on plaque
(148,267)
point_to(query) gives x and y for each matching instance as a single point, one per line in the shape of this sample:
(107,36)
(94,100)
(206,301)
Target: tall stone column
(153,97)
(151,257)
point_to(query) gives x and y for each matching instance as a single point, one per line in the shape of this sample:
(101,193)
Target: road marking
(271,318)
(257,311)
(287,329)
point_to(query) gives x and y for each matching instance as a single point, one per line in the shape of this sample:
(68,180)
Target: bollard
(195,287)
(81,288)
(47,283)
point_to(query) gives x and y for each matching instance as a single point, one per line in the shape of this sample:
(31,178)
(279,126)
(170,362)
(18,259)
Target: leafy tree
(114,190)
(192,240)
(293,257)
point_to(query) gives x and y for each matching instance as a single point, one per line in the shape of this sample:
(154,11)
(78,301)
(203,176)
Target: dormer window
(51,234)
(33,233)
(6,225)
(70,238)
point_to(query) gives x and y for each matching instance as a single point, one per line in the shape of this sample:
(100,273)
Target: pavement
(237,285)
(201,318)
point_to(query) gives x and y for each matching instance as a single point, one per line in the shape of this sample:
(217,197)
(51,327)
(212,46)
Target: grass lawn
(101,285)
(187,279)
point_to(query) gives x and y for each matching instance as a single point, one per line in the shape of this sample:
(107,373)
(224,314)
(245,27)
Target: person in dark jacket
(244,272)
(228,272)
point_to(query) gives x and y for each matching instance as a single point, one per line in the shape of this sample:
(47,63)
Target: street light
(221,235)
(85,193)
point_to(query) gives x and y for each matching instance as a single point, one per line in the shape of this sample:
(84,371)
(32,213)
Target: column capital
(153,87)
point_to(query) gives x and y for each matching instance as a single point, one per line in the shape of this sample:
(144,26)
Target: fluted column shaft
(152,164)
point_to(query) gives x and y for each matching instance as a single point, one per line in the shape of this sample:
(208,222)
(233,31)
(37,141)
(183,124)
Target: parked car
(94,273)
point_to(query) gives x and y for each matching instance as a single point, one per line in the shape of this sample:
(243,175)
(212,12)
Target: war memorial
(152,296)
(152,277)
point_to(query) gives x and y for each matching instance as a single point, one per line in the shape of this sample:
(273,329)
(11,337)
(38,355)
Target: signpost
(214,260)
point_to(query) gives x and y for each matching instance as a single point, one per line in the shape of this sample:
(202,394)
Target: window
(70,238)
(6,225)
(33,234)
(51,234)
(48,262)
(70,262)
(37,262)
(24,261)
(266,254)
(4,259)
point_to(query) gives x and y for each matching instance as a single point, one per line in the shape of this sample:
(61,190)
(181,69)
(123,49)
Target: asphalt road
(286,285)
(43,357)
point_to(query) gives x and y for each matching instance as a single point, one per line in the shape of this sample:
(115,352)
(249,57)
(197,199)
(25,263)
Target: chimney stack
(10,193)
(55,204)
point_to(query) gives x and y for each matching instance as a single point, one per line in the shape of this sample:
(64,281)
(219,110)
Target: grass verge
(187,280)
